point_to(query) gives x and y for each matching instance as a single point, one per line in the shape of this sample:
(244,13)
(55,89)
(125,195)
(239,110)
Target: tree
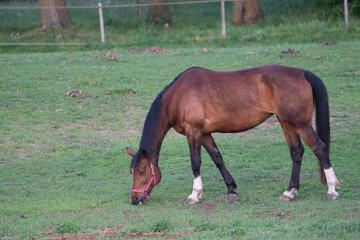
(246,12)
(159,14)
(54,14)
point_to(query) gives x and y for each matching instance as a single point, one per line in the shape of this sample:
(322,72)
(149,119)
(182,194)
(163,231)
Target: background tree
(246,12)
(52,15)
(158,13)
(335,8)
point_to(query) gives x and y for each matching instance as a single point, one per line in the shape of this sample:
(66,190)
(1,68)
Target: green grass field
(64,168)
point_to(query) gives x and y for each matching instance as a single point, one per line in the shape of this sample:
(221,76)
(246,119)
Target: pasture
(66,118)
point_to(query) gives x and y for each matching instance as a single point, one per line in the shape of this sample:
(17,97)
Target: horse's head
(145,176)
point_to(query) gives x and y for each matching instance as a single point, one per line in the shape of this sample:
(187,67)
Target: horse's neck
(155,145)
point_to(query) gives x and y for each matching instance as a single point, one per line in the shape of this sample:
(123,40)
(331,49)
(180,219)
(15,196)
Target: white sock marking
(331,181)
(197,189)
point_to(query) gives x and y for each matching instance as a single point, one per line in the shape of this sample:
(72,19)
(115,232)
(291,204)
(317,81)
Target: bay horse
(199,102)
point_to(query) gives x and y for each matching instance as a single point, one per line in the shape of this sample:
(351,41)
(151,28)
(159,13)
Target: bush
(354,7)
(335,8)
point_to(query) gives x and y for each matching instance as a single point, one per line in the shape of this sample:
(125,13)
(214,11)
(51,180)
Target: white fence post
(346,10)
(101,23)
(223,24)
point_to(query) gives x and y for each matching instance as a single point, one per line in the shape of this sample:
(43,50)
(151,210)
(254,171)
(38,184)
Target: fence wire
(122,5)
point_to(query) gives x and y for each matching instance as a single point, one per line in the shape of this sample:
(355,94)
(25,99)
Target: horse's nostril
(135,200)
(143,199)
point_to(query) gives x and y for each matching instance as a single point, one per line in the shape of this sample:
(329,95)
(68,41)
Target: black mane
(152,122)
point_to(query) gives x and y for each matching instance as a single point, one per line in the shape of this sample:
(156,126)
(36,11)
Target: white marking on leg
(331,181)
(290,193)
(197,190)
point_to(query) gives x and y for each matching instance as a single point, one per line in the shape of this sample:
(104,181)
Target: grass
(64,168)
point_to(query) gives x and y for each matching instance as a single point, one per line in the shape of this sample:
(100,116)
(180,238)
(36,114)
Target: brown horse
(200,101)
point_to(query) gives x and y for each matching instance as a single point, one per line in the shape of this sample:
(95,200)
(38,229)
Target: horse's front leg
(194,140)
(210,146)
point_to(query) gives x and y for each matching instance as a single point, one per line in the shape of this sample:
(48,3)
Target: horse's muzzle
(138,200)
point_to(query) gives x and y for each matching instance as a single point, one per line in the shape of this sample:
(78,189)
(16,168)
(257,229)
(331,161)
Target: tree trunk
(52,15)
(246,12)
(159,14)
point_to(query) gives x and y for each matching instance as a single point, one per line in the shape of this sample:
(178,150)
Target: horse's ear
(130,152)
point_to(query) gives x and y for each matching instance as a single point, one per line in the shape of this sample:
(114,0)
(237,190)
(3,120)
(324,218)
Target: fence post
(101,23)
(346,10)
(223,24)
(138,9)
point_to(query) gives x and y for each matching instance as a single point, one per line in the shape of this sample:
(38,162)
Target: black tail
(322,114)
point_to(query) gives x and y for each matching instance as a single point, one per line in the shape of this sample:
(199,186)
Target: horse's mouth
(138,200)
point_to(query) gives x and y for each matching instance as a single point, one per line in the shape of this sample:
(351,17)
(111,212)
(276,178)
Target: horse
(199,102)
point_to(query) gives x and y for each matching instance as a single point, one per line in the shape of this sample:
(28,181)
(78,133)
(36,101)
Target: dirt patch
(108,55)
(318,57)
(133,132)
(209,210)
(22,155)
(290,53)
(121,92)
(55,236)
(352,215)
(331,43)
(279,215)
(355,71)
(3,163)
(206,207)
(165,235)
(79,94)
(110,232)
(153,50)
(131,91)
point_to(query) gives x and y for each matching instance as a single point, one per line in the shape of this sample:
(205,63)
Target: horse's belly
(233,125)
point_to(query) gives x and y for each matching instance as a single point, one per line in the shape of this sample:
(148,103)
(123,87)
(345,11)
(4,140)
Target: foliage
(335,8)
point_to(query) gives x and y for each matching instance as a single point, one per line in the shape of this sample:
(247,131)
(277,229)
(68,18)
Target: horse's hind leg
(296,152)
(194,140)
(209,144)
(320,150)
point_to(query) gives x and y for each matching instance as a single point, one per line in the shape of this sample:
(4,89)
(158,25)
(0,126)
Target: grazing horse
(199,102)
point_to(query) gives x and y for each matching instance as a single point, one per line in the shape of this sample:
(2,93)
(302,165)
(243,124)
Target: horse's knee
(297,153)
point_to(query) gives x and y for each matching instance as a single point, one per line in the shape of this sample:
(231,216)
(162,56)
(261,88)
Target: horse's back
(238,100)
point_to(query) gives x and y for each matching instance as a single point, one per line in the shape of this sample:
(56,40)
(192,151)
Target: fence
(101,6)
(110,5)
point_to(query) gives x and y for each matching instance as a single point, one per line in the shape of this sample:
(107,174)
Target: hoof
(286,198)
(232,197)
(190,201)
(288,195)
(332,196)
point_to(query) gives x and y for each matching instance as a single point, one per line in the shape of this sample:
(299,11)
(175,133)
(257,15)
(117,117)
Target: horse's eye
(142,171)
